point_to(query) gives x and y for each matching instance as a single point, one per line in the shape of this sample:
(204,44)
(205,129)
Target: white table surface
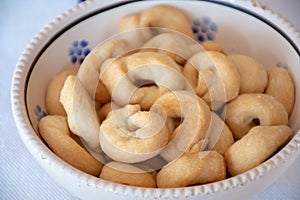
(20,176)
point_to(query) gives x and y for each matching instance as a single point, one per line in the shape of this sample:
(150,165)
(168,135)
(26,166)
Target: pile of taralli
(154,108)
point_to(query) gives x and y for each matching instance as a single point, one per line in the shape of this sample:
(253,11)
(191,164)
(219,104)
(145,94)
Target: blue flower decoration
(39,112)
(204,29)
(281,64)
(79,51)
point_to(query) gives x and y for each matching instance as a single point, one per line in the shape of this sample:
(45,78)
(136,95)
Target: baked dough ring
(281,86)
(53,106)
(122,77)
(253,74)
(132,31)
(192,168)
(161,17)
(80,108)
(130,135)
(127,174)
(90,69)
(255,147)
(249,110)
(175,45)
(165,16)
(55,131)
(196,117)
(213,77)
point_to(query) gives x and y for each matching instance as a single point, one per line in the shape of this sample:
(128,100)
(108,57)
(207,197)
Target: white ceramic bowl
(241,27)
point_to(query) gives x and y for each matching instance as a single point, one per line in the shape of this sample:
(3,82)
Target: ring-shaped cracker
(281,86)
(162,17)
(255,147)
(125,78)
(127,174)
(192,168)
(253,74)
(80,109)
(90,69)
(55,131)
(130,135)
(53,106)
(213,77)
(249,110)
(195,115)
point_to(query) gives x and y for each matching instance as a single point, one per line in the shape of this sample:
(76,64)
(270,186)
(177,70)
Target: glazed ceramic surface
(242,27)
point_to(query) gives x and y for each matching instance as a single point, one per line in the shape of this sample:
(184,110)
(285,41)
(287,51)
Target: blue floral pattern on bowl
(79,51)
(282,64)
(39,112)
(204,28)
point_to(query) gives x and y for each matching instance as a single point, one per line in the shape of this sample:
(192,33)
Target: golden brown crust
(127,174)
(254,148)
(54,130)
(53,106)
(253,74)
(192,168)
(281,86)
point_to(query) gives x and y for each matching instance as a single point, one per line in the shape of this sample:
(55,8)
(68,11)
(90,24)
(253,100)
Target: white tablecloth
(20,176)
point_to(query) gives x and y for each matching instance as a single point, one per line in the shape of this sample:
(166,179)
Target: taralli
(132,31)
(253,74)
(160,17)
(196,117)
(124,78)
(127,174)
(55,131)
(90,69)
(53,106)
(178,46)
(219,136)
(192,168)
(255,147)
(213,77)
(281,86)
(165,16)
(249,110)
(130,135)
(80,108)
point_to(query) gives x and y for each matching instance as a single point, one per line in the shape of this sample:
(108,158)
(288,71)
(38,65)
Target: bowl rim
(44,155)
